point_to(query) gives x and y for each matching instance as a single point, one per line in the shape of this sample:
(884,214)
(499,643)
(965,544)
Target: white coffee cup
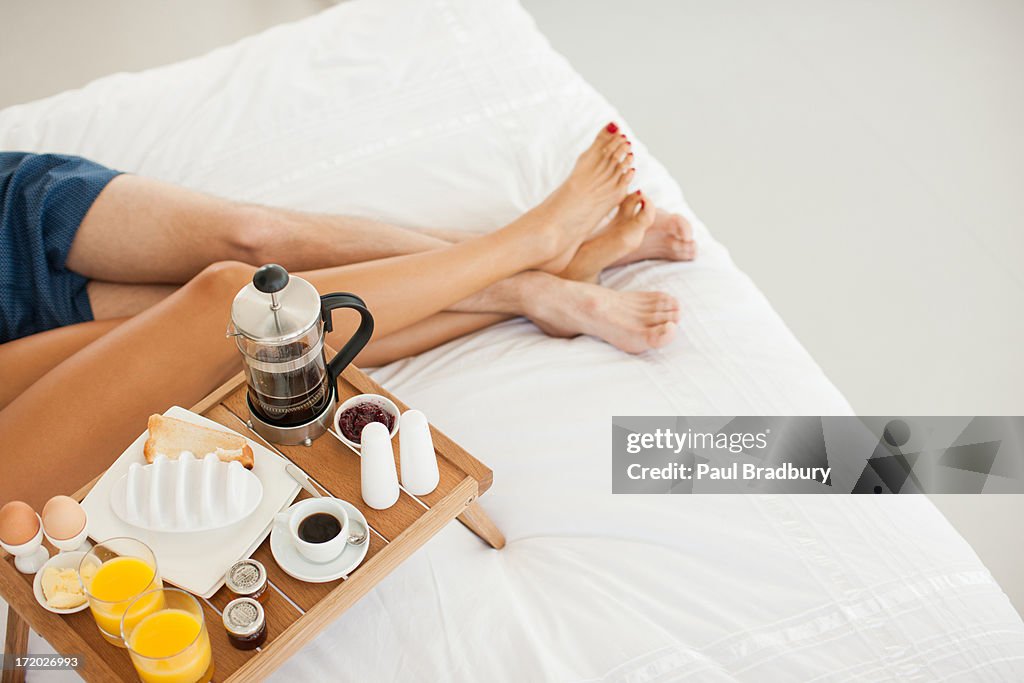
(316,552)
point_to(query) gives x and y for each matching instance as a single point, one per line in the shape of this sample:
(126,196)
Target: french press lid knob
(270,279)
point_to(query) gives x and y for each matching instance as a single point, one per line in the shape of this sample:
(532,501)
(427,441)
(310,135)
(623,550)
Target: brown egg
(63,517)
(18,523)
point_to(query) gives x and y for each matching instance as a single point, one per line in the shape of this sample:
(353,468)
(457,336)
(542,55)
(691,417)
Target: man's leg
(143,231)
(631,321)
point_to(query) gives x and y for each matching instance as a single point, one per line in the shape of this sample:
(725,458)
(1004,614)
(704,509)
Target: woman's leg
(70,424)
(425,335)
(24,361)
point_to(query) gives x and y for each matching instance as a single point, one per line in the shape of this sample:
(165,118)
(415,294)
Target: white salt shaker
(419,462)
(377,467)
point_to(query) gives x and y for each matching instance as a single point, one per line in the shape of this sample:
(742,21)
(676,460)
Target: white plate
(196,561)
(186,494)
(298,567)
(61,561)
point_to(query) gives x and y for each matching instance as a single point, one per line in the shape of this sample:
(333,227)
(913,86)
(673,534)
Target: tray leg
(477,521)
(15,645)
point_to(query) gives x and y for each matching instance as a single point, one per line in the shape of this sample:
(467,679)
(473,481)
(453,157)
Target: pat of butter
(61,588)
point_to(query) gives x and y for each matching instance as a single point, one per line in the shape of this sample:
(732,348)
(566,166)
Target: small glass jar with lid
(247,579)
(246,623)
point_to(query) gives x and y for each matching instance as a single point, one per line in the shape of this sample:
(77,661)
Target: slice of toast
(171,436)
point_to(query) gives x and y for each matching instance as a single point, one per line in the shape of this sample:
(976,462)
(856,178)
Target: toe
(647,212)
(609,131)
(682,251)
(661,335)
(665,302)
(625,163)
(689,251)
(659,317)
(625,179)
(602,140)
(630,205)
(616,148)
(682,227)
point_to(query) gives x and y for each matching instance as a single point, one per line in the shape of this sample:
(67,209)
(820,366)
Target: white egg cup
(29,557)
(79,541)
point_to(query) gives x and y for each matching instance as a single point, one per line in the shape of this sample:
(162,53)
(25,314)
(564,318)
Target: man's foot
(621,237)
(631,321)
(670,238)
(598,182)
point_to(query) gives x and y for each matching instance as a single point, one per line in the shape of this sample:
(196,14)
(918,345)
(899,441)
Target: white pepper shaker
(419,461)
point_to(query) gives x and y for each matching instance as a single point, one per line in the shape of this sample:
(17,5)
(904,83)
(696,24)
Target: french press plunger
(279,323)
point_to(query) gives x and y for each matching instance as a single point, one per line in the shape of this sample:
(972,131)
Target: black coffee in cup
(319,527)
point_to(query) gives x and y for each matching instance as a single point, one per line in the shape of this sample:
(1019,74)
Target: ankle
(539,294)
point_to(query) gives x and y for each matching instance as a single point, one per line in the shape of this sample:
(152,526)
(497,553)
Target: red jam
(352,421)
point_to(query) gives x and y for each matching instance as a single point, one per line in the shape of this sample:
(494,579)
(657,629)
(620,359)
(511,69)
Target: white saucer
(61,561)
(298,567)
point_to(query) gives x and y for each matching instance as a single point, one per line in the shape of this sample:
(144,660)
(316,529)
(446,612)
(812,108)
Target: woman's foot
(598,182)
(622,236)
(631,321)
(670,237)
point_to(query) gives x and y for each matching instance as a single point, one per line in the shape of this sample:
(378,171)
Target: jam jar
(247,579)
(245,623)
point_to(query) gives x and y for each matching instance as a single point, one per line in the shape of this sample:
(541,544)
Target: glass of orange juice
(113,574)
(169,644)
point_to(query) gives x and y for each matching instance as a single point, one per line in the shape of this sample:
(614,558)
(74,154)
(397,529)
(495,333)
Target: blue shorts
(43,200)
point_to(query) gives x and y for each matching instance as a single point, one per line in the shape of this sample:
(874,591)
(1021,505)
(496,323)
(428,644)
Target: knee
(251,232)
(222,280)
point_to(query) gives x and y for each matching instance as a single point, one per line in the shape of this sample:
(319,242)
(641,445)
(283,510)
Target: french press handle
(360,339)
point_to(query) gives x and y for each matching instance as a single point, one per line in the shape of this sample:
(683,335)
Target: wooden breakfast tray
(296,611)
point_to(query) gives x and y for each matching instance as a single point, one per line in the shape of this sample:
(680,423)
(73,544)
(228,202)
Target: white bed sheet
(458,114)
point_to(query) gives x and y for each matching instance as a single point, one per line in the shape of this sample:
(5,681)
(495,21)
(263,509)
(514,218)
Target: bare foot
(621,237)
(670,237)
(631,321)
(598,182)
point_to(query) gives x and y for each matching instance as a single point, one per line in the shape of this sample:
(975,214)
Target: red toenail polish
(638,193)
(612,128)
(642,202)
(632,170)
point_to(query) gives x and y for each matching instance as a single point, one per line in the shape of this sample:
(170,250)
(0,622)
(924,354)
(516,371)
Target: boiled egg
(19,523)
(63,518)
